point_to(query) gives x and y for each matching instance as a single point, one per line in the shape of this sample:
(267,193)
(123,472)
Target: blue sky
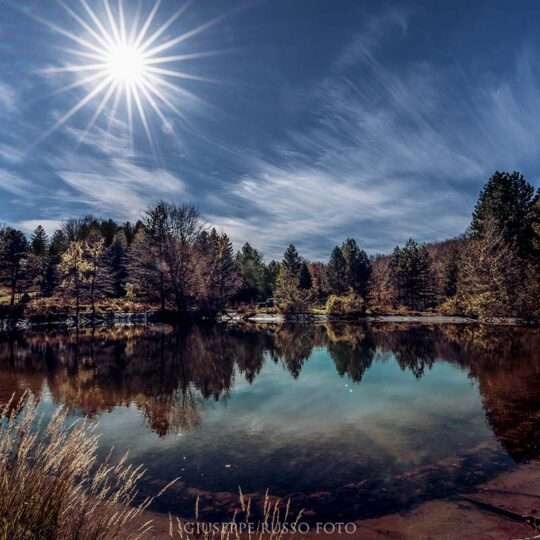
(316,120)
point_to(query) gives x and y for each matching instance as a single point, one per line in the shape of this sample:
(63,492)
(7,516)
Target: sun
(117,56)
(126,65)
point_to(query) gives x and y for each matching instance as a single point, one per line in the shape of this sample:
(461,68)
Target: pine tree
(38,258)
(412,276)
(271,272)
(13,257)
(253,272)
(510,205)
(304,279)
(292,263)
(336,272)
(117,262)
(39,242)
(450,274)
(57,247)
(358,267)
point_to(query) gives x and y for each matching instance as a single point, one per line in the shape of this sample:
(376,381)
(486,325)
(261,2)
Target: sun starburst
(119,57)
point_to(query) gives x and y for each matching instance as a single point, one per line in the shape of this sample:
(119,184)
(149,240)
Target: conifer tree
(292,263)
(57,247)
(271,272)
(411,272)
(358,267)
(253,272)
(38,258)
(509,204)
(117,262)
(13,258)
(39,242)
(304,278)
(336,272)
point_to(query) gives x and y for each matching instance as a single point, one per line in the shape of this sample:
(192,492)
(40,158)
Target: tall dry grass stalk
(51,486)
(274,523)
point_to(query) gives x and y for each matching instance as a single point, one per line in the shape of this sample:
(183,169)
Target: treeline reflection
(168,374)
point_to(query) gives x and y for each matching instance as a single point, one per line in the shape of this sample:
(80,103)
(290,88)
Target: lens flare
(116,57)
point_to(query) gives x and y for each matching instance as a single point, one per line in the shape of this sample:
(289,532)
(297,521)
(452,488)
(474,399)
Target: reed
(52,486)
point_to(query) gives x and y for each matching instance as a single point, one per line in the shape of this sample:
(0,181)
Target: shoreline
(153,317)
(496,509)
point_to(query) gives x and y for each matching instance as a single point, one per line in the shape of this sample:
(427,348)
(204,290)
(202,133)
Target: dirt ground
(496,510)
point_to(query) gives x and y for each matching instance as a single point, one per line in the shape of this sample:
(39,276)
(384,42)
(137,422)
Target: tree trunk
(92,297)
(162,291)
(77,305)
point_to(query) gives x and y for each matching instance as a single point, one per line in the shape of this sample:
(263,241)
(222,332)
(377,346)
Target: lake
(349,421)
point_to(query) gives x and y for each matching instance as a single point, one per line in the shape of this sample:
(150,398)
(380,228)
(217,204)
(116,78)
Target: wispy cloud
(391,153)
(108,179)
(29,225)
(15,184)
(8,99)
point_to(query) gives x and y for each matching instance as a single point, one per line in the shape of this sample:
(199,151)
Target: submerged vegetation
(170,261)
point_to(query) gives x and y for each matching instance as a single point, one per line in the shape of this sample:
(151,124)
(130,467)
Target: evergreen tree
(271,272)
(336,272)
(358,267)
(411,272)
(450,274)
(39,242)
(57,247)
(253,272)
(290,296)
(304,279)
(13,257)
(510,205)
(117,262)
(38,258)
(292,263)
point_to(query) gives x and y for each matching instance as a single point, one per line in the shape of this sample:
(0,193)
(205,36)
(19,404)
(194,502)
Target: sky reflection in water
(349,421)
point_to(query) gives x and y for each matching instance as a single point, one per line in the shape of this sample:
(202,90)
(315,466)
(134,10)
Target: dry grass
(52,488)
(275,523)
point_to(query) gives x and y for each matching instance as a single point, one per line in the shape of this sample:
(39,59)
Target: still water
(348,421)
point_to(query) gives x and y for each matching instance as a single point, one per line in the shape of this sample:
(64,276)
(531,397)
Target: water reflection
(392,445)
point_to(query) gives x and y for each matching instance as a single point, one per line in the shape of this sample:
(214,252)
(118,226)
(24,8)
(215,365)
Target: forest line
(169,261)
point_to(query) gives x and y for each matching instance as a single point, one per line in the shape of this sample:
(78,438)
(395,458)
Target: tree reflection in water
(168,374)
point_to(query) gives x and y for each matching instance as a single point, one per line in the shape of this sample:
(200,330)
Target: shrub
(476,306)
(350,305)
